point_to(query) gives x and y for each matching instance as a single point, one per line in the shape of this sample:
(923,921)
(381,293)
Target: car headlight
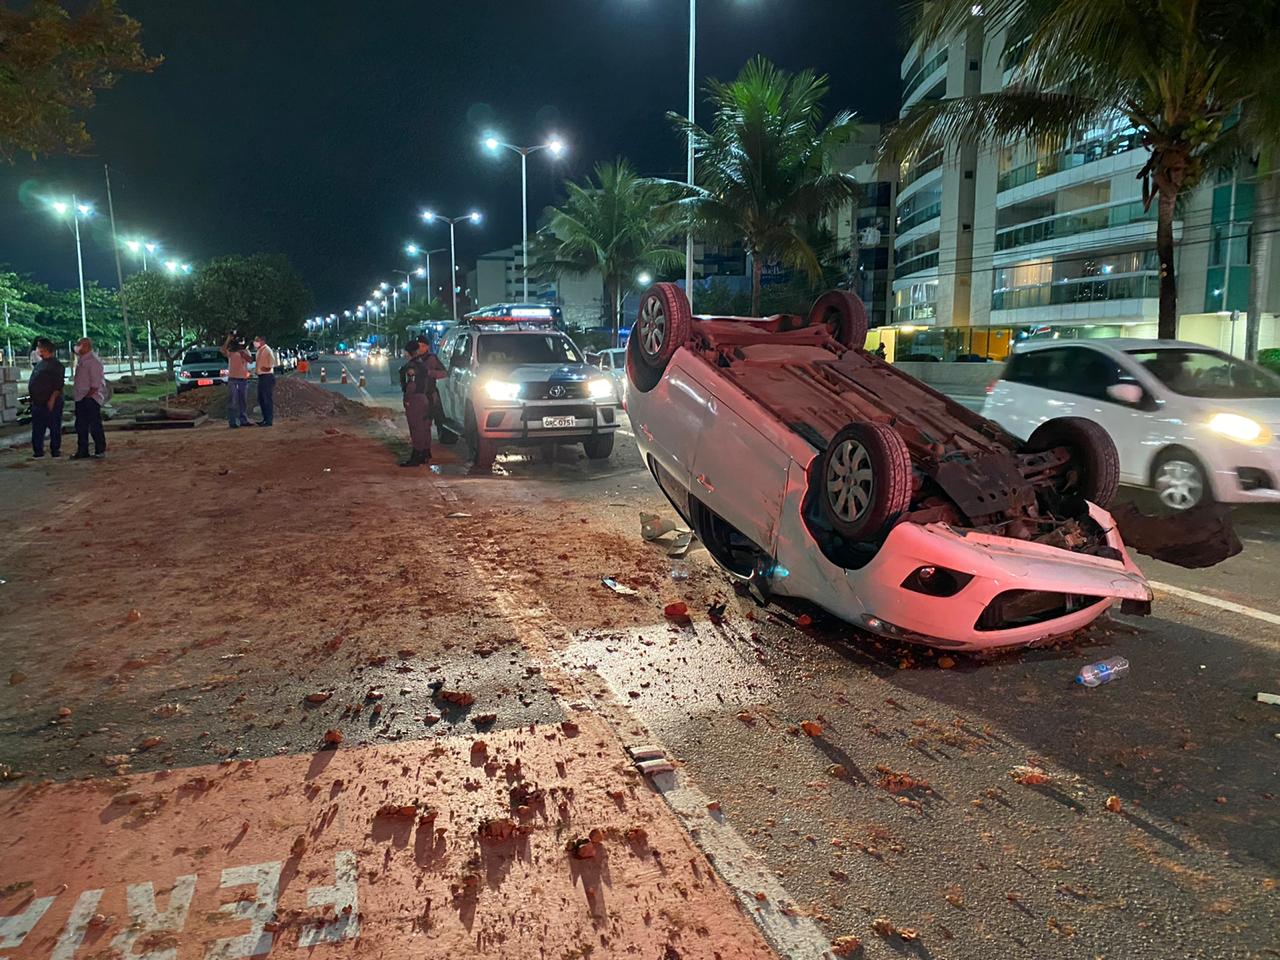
(1241,428)
(599,389)
(184,375)
(502,390)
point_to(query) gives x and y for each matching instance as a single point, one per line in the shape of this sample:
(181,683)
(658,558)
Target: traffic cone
(324,374)
(344,374)
(361,379)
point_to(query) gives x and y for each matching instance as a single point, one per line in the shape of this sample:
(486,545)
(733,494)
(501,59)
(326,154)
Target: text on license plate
(204,382)
(557,423)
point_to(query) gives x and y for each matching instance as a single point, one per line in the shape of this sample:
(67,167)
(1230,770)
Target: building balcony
(917,171)
(927,261)
(1078,222)
(1076,155)
(920,216)
(1128,286)
(923,77)
(921,314)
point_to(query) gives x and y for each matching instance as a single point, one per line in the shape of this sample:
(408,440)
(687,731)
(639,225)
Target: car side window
(1088,373)
(461,356)
(1038,368)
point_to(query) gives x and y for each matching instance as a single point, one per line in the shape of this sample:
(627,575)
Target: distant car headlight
(1237,427)
(502,390)
(599,389)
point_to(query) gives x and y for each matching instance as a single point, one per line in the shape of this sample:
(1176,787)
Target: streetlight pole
(430,217)
(688,238)
(556,146)
(75,215)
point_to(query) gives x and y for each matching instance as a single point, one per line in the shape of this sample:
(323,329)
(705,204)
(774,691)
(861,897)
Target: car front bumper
(519,422)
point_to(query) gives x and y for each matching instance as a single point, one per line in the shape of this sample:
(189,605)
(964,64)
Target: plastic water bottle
(679,572)
(1104,671)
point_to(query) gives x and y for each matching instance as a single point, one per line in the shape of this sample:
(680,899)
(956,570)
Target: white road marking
(1207,600)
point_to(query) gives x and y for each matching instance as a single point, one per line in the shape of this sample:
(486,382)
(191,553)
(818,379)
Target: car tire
(1091,448)
(843,314)
(482,451)
(445,435)
(599,447)
(1179,480)
(662,326)
(866,481)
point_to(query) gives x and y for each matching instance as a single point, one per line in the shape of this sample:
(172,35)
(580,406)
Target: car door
(1030,391)
(453,395)
(1104,391)
(738,472)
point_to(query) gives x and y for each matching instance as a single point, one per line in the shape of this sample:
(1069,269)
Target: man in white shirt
(265,362)
(90,395)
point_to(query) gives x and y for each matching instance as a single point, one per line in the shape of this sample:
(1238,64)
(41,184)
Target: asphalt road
(985,807)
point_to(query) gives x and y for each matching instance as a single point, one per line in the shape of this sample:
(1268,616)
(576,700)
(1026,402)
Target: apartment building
(1001,244)
(864,231)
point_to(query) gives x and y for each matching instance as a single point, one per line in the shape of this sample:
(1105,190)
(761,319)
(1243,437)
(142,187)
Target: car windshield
(203,356)
(1207,373)
(527,348)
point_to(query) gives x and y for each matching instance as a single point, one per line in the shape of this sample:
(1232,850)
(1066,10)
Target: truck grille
(573,390)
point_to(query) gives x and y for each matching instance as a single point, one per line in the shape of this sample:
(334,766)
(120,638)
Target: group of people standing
(239,363)
(418,379)
(46,389)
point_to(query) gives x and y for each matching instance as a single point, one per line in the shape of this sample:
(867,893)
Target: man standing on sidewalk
(238,360)
(45,390)
(418,379)
(90,394)
(266,366)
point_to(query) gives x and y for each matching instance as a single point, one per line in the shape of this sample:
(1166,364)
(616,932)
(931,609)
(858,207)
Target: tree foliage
(36,310)
(765,169)
(1183,72)
(52,65)
(613,224)
(166,304)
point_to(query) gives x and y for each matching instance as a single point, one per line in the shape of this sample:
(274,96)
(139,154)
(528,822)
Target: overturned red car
(811,468)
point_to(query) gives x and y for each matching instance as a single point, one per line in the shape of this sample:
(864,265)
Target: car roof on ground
(1123,344)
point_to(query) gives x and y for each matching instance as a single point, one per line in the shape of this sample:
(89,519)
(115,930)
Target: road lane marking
(1239,608)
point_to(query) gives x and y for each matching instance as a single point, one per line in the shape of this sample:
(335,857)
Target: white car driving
(1192,423)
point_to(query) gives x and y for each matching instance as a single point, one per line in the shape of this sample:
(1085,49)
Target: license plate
(557,423)
(206,382)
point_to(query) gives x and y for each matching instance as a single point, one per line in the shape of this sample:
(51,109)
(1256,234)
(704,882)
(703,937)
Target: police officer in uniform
(418,378)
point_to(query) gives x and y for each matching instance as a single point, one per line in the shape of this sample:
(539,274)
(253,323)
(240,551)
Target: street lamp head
(383,285)
(420,272)
(644,279)
(186,268)
(151,247)
(556,146)
(378,293)
(411,249)
(428,216)
(474,216)
(171,266)
(133,245)
(60,207)
(492,142)
(346,313)
(85,209)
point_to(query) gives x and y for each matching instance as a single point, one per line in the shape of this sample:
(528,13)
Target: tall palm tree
(1181,71)
(612,224)
(765,168)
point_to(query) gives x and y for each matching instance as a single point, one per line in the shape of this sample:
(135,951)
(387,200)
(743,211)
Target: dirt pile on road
(295,399)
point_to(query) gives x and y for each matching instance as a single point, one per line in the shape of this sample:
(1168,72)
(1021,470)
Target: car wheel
(599,447)
(482,451)
(662,324)
(445,435)
(1179,480)
(1096,476)
(843,314)
(866,480)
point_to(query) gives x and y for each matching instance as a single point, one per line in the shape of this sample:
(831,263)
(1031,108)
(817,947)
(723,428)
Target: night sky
(319,129)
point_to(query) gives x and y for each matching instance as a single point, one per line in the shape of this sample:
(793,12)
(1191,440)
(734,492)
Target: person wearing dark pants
(90,394)
(418,379)
(45,391)
(266,367)
(238,361)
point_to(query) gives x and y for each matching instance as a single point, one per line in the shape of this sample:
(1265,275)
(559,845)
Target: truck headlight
(1237,427)
(502,390)
(599,389)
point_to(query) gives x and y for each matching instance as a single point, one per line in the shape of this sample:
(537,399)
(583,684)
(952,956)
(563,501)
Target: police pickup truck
(516,380)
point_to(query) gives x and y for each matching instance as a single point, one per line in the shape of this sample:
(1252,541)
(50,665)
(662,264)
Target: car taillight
(936,581)
(991,387)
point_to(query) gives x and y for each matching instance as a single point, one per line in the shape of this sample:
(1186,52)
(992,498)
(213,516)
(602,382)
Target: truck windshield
(527,348)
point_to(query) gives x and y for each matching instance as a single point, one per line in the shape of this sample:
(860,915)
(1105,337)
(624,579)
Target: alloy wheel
(653,326)
(1179,484)
(849,481)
